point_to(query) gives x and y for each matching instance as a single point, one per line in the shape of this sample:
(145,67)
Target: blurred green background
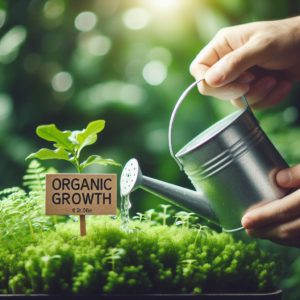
(125,61)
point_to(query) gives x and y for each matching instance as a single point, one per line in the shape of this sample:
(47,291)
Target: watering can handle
(174,112)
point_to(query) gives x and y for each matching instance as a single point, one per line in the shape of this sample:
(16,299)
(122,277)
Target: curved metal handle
(174,112)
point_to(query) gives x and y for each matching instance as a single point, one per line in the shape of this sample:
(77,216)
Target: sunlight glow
(163,5)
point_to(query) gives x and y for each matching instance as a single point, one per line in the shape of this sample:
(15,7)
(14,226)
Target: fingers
(230,67)
(289,178)
(245,77)
(277,94)
(224,62)
(210,54)
(275,212)
(200,71)
(287,233)
(260,89)
(266,92)
(228,92)
(278,220)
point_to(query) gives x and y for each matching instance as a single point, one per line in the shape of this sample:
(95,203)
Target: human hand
(279,220)
(259,60)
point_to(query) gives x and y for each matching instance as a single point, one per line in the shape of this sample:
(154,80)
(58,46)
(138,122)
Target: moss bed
(152,258)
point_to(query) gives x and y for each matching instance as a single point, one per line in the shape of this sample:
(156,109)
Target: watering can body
(232,166)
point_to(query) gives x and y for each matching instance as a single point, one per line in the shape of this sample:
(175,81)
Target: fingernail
(284,177)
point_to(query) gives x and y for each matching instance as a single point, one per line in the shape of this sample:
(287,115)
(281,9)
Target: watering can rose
(81,194)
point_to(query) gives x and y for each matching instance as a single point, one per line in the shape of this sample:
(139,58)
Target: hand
(259,60)
(279,220)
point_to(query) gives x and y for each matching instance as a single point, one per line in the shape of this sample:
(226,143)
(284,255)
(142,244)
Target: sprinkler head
(131,177)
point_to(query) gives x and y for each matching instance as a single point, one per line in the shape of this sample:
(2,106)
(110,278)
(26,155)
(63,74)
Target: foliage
(21,218)
(22,212)
(69,144)
(153,259)
(34,178)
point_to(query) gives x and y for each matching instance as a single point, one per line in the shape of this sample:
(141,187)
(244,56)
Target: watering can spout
(132,179)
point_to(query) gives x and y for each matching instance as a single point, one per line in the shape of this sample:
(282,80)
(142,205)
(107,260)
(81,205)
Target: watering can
(232,166)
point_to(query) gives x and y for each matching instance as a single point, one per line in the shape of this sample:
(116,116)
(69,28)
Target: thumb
(289,178)
(233,64)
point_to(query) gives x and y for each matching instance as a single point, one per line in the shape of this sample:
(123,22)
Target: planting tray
(277,295)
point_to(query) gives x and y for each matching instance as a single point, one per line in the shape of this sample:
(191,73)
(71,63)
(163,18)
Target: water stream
(124,209)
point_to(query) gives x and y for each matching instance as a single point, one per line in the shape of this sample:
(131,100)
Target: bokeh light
(98,45)
(162,54)
(155,72)
(10,43)
(113,92)
(53,9)
(85,21)
(6,107)
(136,18)
(62,82)
(2,17)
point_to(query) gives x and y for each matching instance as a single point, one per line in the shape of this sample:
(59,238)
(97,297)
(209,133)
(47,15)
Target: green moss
(150,259)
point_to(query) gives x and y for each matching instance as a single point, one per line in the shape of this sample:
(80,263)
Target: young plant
(139,216)
(69,144)
(183,218)
(113,255)
(164,216)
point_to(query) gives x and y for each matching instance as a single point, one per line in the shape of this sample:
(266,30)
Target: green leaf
(52,134)
(96,159)
(88,136)
(44,153)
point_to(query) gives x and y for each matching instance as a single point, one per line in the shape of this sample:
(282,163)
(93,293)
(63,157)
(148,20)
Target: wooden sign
(81,194)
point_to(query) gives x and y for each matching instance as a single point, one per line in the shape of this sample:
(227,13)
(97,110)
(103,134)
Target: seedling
(68,146)
(113,255)
(164,216)
(183,218)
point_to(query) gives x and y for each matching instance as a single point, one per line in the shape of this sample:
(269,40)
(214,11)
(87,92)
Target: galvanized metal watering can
(232,166)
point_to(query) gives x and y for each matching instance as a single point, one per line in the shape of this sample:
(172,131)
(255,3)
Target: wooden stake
(82,225)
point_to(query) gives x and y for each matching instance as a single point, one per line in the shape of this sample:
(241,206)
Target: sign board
(81,194)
